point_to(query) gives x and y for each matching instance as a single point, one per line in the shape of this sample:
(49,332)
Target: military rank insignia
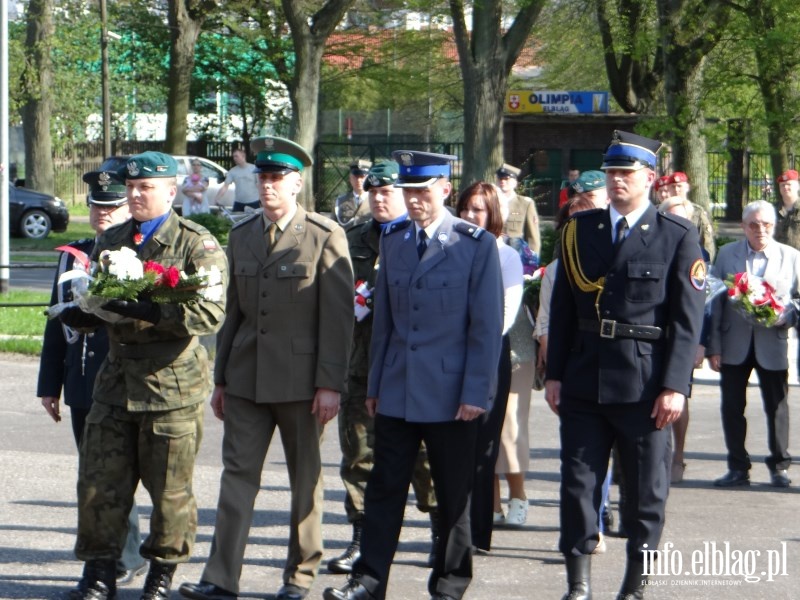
(697,274)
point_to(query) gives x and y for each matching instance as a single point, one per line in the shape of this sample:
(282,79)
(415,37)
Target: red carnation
(151,266)
(171,277)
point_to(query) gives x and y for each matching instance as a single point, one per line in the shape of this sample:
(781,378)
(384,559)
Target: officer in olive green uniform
(352,208)
(787,227)
(146,421)
(787,224)
(522,220)
(356,427)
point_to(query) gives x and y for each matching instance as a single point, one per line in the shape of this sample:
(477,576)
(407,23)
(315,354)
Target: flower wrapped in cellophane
(120,275)
(756,300)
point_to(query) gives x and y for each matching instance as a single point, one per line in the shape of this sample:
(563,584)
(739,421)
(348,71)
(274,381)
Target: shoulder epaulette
(193,226)
(246,220)
(469,230)
(324,222)
(392,227)
(586,213)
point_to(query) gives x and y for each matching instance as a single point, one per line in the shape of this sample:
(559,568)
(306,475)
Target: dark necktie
(422,244)
(621,229)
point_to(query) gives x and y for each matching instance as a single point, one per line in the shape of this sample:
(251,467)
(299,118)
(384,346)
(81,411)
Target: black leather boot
(435,536)
(99,581)
(344,563)
(158,581)
(354,590)
(579,572)
(634,582)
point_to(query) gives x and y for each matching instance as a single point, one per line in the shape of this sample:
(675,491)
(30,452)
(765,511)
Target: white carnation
(122,263)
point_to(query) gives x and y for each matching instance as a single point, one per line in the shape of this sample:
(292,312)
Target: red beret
(679,177)
(790,175)
(661,182)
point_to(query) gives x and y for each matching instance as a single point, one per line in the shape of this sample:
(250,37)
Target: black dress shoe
(205,591)
(733,478)
(125,576)
(780,478)
(291,591)
(354,590)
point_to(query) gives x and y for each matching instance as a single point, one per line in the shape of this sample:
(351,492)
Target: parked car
(34,214)
(215,173)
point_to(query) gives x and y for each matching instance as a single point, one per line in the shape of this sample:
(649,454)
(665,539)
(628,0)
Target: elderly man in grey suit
(736,345)
(438,320)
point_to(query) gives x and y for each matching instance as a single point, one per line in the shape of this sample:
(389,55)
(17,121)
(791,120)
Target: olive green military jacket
(705,230)
(787,227)
(162,366)
(289,326)
(523,221)
(364,242)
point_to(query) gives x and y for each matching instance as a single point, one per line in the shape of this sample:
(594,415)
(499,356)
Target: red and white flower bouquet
(756,299)
(120,275)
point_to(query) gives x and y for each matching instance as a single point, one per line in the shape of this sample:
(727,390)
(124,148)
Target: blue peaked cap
(421,169)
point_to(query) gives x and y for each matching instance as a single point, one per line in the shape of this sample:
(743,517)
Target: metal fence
(331,161)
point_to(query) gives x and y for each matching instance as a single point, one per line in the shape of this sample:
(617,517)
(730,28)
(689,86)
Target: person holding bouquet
(146,420)
(739,341)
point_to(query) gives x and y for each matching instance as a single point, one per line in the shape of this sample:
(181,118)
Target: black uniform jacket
(70,360)
(656,278)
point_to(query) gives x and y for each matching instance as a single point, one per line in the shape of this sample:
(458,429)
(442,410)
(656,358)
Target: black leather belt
(162,349)
(612,329)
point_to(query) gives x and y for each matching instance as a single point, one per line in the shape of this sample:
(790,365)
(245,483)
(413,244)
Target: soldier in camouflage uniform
(787,225)
(679,186)
(146,421)
(356,427)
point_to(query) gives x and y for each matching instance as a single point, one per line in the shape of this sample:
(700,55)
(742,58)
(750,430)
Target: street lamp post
(104,77)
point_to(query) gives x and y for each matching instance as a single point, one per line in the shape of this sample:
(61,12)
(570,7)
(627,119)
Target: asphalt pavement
(756,529)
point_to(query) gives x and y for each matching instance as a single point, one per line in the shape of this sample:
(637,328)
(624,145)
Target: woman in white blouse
(479,204)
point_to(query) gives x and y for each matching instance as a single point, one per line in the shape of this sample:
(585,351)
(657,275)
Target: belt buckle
(608,329)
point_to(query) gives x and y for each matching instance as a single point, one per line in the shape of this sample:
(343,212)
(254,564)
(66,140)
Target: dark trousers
(775,394)
(451,452)
(488,445)
(588,431)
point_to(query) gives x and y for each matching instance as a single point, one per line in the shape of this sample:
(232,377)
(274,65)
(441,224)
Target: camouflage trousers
(120,448)
(357,439)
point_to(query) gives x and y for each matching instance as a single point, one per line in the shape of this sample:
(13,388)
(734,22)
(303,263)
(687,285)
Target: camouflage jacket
(787,227)
(162,366)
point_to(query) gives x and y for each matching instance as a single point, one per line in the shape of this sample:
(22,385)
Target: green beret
(148,165)
(382,174)
(588,181)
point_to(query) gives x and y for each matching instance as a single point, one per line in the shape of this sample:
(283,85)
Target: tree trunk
(487,56)
(773,82)
(483,124)
(184,25)
(689,30)
(683,90)
(309,35)
(38,81)
(304,93)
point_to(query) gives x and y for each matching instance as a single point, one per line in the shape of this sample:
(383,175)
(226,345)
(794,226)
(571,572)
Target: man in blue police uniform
(438,320)
(625,318)
(71,359)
